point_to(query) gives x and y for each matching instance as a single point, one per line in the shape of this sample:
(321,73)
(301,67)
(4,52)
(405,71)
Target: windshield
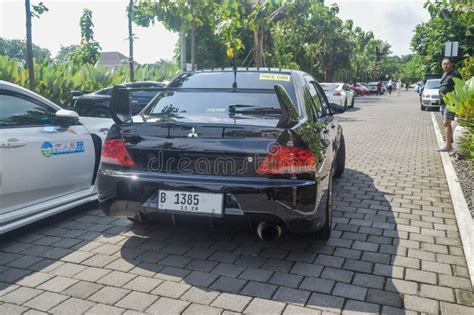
(432,84)
(185,105)
(329,86)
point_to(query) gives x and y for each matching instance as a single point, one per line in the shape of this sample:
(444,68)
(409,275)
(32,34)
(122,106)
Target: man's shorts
(446,113)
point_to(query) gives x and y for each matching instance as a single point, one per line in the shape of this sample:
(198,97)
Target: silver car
(48,157)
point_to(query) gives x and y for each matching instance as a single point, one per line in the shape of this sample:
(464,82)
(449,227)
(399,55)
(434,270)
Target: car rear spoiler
(121,112)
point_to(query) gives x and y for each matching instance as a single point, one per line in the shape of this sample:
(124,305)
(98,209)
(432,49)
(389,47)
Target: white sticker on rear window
(275,77)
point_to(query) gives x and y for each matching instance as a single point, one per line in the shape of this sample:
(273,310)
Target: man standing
(379,88)
(446,86)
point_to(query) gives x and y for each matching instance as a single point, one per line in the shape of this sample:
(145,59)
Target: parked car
(373,88)
(48,157)
(359,89)
(339,94)
(430,94)
(97,104)
(258,146)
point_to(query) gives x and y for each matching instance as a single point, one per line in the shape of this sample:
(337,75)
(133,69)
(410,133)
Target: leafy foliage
(55,81)
(16,49)
(88,52)
(450,21)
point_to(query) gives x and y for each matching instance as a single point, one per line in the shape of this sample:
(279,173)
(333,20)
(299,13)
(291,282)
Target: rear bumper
(291,202)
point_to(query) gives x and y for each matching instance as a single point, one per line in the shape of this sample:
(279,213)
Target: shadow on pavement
(353,266)
(355,263)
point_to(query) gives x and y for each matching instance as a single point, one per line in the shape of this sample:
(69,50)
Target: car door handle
(12,143)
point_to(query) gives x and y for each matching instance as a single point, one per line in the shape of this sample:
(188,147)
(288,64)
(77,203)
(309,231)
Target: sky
(390,20)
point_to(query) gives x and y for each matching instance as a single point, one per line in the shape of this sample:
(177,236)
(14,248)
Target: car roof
(7,86)
(248,69)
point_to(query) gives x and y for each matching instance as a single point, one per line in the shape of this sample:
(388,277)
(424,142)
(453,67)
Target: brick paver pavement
(395,246)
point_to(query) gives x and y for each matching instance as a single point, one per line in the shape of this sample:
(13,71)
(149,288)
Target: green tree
(66,54)
(179,16)
(16,49)
(89,50)
(412,68)
(450,21)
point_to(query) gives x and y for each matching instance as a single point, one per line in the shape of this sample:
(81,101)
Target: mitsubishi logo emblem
(193,133)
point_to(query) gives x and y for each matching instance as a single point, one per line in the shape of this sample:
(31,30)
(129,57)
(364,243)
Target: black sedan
(262,146)
(97,104)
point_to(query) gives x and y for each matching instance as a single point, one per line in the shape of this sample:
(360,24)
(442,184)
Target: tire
(422,107)
(340,159)
(345,104)
(325,232)
(99,112)
(352,103)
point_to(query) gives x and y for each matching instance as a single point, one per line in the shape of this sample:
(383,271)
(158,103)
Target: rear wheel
(422,107)
(345,104)
(340,158)
(352,103)
(99,112)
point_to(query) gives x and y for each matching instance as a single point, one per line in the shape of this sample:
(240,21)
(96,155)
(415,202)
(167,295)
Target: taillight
(337,93)
(287,160)
(115,152)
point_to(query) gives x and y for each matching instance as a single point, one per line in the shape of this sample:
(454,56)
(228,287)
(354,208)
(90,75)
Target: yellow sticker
(275,77)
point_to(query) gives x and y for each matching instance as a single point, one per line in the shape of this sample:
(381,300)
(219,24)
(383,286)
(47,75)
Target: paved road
(395,246)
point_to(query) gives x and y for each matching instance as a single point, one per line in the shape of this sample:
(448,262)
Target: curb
(461,211)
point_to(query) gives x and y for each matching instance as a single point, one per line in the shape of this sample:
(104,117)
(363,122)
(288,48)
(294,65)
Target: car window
(315,100)
(183,104)
(17,111)
(325,110)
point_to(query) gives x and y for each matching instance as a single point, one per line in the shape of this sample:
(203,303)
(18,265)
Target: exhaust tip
(268,231)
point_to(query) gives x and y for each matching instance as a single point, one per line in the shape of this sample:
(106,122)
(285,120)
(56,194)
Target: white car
(339,94)
(430,94)
(49,157)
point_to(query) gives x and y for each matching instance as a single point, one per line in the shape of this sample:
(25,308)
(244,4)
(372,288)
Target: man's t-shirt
(447,83)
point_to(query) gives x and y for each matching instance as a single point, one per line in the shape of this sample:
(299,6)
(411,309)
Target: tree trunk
(193,46)
(130,42)
(29,47)
(258,46)
(182,36)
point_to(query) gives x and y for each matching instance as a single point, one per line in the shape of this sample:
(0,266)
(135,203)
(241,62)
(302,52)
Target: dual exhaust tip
(268,231)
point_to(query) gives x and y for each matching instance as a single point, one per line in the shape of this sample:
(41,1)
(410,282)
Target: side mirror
(67,117)
(336,109)
(120,109)
(289,114)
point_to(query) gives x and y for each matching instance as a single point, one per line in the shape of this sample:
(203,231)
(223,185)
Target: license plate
(191,202)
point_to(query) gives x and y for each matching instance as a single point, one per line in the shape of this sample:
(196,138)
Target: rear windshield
(208,104)
(432,84)
(329,86)
(179,104)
